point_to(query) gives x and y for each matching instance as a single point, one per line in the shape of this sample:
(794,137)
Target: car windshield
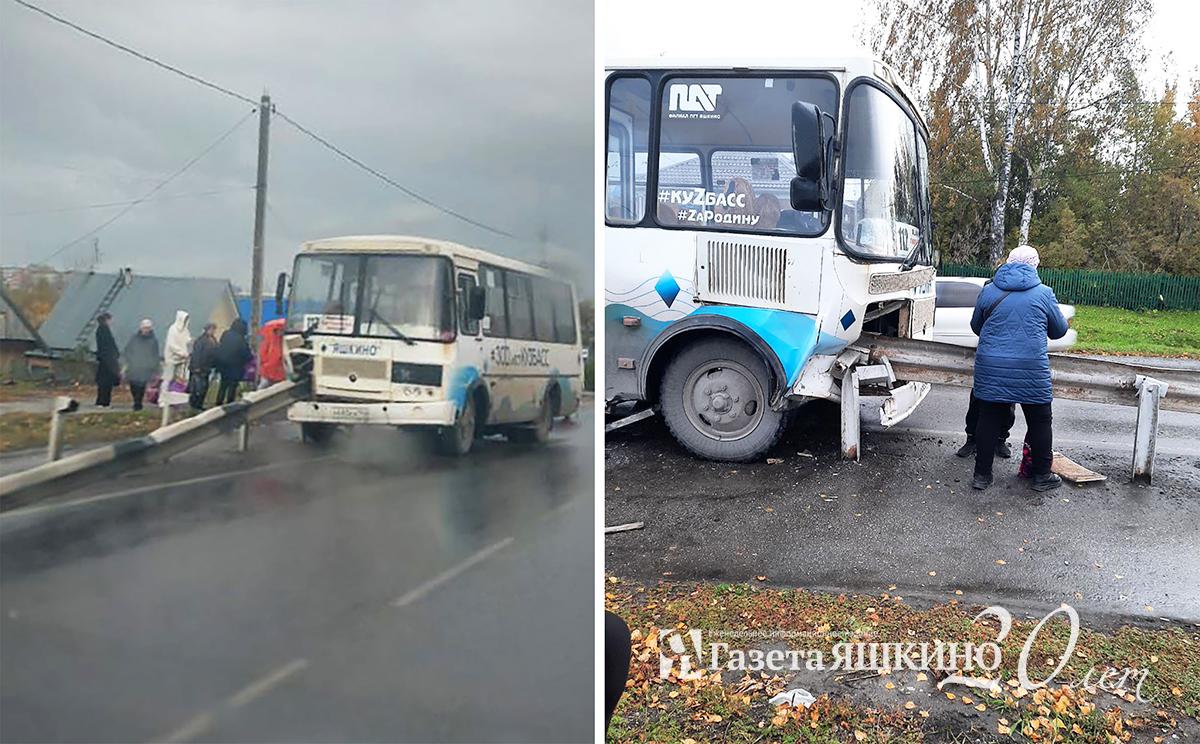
(396,296)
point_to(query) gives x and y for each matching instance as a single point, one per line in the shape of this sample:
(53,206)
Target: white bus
(758,219)
(428,334)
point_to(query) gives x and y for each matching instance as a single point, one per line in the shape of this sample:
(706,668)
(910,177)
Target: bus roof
(417,244)
(852,65)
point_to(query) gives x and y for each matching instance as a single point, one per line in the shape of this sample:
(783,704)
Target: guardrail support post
(243,436)
(850,415)
(166,413)
(1150,391)
(62,406)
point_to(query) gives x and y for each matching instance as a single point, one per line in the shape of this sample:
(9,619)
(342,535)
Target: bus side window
(543,308)
(564,314)
(520,306)
(466,283)
(493,288)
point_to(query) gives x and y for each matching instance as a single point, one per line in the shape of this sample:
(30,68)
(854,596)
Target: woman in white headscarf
(1013,317)
(176,351)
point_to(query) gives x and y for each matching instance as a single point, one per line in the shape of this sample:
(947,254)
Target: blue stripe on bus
(792,336)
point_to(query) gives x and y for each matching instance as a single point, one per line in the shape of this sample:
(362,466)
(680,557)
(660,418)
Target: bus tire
(715,398)
(537,431)
(316,433)
(456,440)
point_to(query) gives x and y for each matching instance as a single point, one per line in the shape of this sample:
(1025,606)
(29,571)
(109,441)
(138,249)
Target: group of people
(185,366)
(1014,315)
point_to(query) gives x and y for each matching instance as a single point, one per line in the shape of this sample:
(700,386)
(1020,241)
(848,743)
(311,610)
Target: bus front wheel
(456,440)
(715,399)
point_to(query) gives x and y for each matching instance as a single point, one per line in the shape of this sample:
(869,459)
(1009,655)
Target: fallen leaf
(981,707)
(860,736)
(910,705)
(921,676)
(1001,562)
(761,578)
(933,573)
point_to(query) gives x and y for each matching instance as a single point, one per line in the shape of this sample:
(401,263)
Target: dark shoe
(137,406)
(1047,482)
(980,482)
(1003,450)
(967,449)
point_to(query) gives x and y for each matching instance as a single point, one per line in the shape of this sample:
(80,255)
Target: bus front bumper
(436,413)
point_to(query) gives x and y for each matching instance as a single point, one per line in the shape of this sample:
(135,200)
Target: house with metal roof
(129,297)
(17,336)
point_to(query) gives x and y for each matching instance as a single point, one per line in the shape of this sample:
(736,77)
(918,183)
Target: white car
(956,296)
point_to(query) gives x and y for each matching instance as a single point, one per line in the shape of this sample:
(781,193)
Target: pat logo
(697,97)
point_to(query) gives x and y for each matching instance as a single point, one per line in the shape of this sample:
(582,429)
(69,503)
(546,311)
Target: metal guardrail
(1075,378)
(1147,387)
(72,471)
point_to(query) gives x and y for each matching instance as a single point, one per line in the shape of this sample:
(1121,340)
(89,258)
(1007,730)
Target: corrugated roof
(153,297)
(14,326)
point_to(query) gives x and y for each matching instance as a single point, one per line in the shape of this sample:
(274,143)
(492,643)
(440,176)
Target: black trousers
(227,392)
(198,388)
(104,390)
(993,417)
(617,649)
(973,418)
(138,391)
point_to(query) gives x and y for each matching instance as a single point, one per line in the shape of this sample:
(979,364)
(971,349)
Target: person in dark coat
(233,352)
(204,350)
(108,361)
(142,361)
(1013,317)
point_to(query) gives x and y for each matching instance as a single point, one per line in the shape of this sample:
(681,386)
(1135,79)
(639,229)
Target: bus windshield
(389,296)
(886,186)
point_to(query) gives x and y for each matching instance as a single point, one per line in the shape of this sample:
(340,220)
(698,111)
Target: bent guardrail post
(62,406)
(850,415)
(1150,391)
(81,468)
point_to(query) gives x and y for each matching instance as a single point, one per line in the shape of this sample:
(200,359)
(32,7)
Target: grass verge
(21,431)
(1110,330)
(732,705)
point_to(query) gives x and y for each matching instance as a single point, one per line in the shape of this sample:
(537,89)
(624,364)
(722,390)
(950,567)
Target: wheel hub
(723,400)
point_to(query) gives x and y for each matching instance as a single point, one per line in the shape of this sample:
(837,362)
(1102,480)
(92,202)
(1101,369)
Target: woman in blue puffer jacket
(1013,316)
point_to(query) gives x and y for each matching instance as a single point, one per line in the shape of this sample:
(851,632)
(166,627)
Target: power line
(226,91)
(152,191)
(136,53)
(84,207)
(388,180)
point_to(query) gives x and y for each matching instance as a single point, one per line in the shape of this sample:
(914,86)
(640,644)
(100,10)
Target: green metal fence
(1108,288)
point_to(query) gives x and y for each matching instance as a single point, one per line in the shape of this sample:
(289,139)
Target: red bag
(152,389)
(1026,469)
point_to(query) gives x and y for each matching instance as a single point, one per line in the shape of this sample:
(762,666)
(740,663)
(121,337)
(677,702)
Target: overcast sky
(486,107)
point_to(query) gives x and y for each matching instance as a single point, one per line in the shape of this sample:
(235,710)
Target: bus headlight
(405,373)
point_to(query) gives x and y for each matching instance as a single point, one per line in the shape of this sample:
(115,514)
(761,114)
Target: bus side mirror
(477,304)
(808,188)
(280,288)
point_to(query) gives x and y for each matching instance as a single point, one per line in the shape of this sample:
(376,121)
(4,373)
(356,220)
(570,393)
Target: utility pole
(260,208)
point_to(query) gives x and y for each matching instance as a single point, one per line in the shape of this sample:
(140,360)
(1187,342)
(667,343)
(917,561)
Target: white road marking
(188,731)
(28,510)
(262,686)
(201,723)
(424,589)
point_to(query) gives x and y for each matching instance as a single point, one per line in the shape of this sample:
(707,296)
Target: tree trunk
(1000,202)
(1027,209)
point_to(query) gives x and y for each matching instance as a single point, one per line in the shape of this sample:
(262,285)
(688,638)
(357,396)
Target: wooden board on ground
(1073,471)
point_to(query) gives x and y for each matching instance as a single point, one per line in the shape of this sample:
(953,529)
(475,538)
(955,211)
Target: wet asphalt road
(906,516)
(365,595)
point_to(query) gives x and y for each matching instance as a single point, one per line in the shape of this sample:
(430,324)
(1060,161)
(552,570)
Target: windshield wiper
(399,334)
(374,315)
